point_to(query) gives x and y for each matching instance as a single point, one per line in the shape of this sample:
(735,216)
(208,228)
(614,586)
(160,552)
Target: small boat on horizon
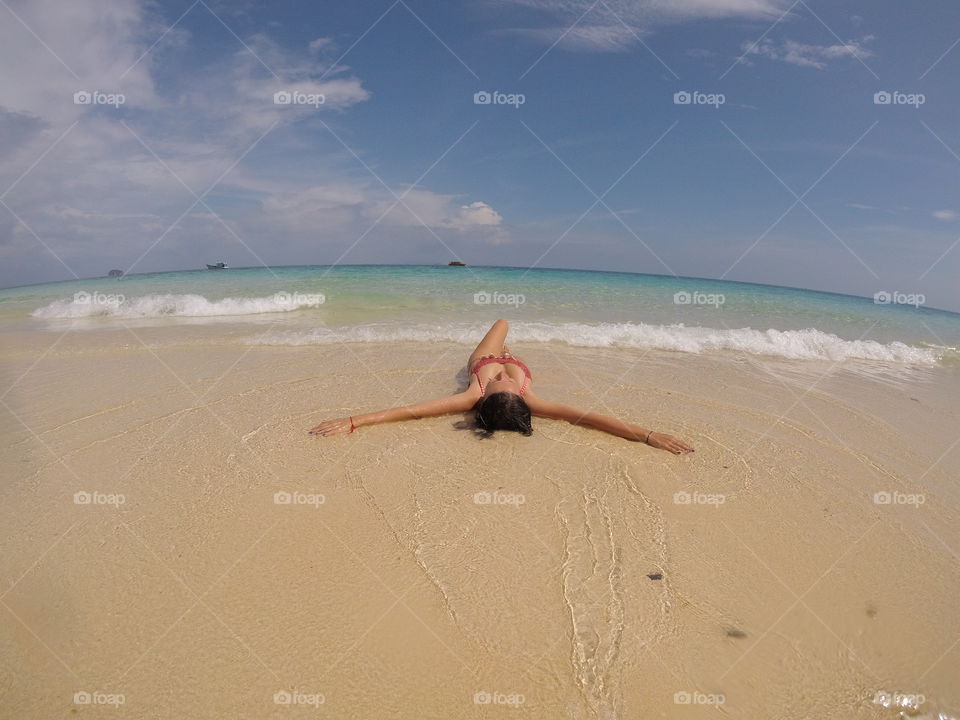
(218,266)
(456,263)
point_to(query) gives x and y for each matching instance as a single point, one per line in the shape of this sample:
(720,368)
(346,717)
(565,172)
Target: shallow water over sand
(796,565)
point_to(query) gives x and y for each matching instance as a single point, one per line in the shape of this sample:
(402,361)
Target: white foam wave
(84,305)
(807,344)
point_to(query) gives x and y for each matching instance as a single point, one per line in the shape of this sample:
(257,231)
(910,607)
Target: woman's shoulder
(472,393)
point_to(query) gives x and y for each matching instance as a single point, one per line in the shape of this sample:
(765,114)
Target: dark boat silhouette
(218,266)
(456,263)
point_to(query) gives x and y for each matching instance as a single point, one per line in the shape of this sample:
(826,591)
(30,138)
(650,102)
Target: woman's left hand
(333,427)
(668,442)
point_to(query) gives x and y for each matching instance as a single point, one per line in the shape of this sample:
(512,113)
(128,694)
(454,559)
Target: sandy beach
(176,545)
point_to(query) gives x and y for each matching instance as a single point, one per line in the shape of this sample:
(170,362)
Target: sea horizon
(204,270)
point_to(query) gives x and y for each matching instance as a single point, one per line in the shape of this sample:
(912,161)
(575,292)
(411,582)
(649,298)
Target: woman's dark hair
(503,411)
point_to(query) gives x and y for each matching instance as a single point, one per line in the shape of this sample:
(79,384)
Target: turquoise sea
(314,305)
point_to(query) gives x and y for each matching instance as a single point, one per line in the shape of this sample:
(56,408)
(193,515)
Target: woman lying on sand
(501,392)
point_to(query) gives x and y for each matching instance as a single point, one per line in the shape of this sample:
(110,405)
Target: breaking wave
(84,305)
(807,344)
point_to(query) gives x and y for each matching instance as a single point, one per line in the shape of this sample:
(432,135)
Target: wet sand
(414,570)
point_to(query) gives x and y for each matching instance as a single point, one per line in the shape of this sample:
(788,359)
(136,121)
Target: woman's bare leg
(493,341)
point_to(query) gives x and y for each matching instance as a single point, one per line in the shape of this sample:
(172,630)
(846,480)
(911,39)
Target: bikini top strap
(493,358)
(523,366)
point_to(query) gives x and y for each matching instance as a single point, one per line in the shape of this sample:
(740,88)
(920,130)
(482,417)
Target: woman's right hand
(339,426)
(668,443)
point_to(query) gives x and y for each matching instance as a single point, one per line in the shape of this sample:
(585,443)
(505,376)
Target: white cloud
(87,48)
(315,199)
(804,55)
(584,38)
(718,8)
(99,198)
(422,207)
(476,214)
(618,25)
(946,215)
(320,43)
(660,10)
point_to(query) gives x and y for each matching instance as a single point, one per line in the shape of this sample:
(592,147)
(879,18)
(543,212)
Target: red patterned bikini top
(502,360)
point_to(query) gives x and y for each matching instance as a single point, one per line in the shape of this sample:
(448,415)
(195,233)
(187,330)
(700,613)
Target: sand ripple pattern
(592,591)
(612,536)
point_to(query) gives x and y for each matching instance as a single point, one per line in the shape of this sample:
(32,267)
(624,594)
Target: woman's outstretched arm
(461,402)
(612,425)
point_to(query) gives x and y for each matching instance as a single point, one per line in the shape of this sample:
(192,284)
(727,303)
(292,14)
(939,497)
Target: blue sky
(697,189)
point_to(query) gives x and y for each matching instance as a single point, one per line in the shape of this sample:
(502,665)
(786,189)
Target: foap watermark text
(295,697)
(698,498)
(83,497)
(695,97)
(895,97)
(83,697)
(893,497)
(910,701)
(299,498)
(298,299)
(896,297)
(699,298)
(113,300)
(296,97)
(483,97)
(498,298)
(95,97)
(686,697)
(495,697)
(499,498)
